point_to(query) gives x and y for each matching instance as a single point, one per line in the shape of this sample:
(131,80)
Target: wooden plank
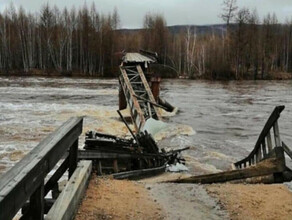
(138,174)
(36,204)
(115,166)
(19,183)
(277,134)
(83,155)
(93,154)
(266,167)
(67,203)
(266,179)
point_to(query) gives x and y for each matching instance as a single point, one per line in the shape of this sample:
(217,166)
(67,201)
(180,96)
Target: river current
(219,121)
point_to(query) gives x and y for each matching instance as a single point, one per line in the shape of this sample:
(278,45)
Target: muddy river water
(220,121)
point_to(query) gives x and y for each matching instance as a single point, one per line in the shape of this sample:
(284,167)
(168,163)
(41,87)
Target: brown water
(227,117)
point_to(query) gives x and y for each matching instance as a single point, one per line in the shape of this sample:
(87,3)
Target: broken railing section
(264,146)
(266,163)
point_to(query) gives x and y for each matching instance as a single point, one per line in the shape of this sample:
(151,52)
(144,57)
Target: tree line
(81,41)
(87,43)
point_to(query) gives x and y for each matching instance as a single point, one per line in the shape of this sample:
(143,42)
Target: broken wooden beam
(138,174)
(266,167)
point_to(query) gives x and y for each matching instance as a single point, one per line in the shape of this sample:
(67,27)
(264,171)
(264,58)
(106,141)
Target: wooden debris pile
(112,154)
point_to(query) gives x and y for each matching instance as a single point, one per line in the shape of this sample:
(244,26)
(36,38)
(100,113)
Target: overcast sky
(197,12)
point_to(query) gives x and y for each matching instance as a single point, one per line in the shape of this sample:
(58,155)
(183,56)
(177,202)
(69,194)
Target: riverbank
(77,74)
(148,199)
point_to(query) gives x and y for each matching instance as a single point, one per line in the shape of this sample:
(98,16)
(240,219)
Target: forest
(84,42)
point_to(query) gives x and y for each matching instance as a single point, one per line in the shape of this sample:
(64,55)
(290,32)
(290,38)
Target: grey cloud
(175,11)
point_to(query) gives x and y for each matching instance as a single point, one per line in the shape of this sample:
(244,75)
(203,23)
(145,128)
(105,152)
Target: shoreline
(111,78)
(39,73)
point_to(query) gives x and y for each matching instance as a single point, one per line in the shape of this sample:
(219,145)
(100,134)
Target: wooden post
(277,134)
(37,204)
(99,170)
(278,176)
(259,155)
(269,141)
(73,151)
(55,191)
(140,163)
(264,148)
(115,166)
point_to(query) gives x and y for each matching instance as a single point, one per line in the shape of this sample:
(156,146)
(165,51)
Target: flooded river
(220,121)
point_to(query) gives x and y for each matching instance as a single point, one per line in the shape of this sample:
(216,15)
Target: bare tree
(229,11)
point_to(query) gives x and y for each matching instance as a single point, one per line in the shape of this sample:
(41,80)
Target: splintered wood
(117,199)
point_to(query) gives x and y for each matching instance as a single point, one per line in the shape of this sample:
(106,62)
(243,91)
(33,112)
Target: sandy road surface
(118,199)
(260,202)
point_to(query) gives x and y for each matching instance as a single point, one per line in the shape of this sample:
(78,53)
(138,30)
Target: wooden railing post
(269,141)
(264,148)
(279,153)
(277,134)
(115,166)
(37,203)
(73,153)
(259,155)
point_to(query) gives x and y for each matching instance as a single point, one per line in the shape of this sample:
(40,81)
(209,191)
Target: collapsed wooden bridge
(27,185)
(139,155)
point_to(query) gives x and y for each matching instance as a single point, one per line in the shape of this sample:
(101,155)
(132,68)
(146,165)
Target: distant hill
(200,29)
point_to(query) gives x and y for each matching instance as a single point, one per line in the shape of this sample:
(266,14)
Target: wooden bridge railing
(26,180)
(264,145)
